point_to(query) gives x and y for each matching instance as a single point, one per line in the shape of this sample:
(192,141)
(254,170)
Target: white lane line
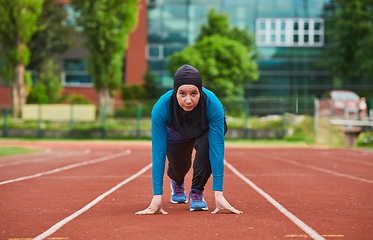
(85,152)
(312,233)
(312,167)
(101,159)
(60,224)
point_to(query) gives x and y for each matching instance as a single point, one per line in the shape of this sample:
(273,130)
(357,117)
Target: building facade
(289,35)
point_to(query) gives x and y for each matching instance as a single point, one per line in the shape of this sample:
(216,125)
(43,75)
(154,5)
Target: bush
(38,95)
(132,92)
(75,99)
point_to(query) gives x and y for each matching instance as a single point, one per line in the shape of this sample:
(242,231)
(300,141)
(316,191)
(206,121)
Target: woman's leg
(179,160)
(201,164)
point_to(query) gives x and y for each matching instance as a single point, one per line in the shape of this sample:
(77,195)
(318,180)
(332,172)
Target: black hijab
(192,123)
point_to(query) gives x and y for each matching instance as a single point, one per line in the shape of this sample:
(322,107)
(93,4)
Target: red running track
(91,190)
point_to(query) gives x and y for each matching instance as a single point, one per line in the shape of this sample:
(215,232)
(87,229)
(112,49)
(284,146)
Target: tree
(218,23)
(133,91)
(349,33)
(150,86)
(51,38)
(224,56)
(51,90)
(17,24)
(106,25)
(224,64)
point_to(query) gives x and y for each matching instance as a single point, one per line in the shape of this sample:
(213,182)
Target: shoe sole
(179,201)
(198,209)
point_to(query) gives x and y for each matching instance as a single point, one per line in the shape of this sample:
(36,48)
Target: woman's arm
(160,118)
(215,115)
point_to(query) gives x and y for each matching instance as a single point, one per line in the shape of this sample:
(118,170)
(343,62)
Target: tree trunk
(19,90)
(106,102)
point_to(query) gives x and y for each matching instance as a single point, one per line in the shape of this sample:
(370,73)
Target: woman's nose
(188,99)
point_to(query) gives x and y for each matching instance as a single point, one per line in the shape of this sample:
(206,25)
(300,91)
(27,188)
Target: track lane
(68,167)
(43,201)
(352,169)
(331,205)
(49,157)
(180,221)
(310,195)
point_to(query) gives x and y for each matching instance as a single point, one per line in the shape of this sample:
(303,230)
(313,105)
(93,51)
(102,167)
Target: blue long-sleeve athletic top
(161,117)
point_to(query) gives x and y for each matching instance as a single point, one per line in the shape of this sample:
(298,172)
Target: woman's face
(187,97)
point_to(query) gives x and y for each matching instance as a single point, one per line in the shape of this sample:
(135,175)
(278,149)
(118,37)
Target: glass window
(155,65)
(175,24)
(306,26)
(175,11)
(273,26)
(74,65)
(305,38)
(296,26)
(154,2)
(154,24)
(240,12)
(317,26)
(280,35)
(262,25)
(283,25)
(273,38)
(154,51)
(173,1)
(154,13)
(169,50)
(262,38)
(75,73)
(316,38)
(176,37)
(296,38)
(194,25)
(74,79)
(200,11)
(154,37)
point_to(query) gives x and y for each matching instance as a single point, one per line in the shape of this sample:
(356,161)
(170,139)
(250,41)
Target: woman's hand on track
(222,203)
(155,206)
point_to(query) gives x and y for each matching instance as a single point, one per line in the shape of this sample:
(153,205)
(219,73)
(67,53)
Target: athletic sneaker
(197,201)
(178,193)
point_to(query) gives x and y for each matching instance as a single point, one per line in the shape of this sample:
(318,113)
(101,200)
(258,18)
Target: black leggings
(180,160)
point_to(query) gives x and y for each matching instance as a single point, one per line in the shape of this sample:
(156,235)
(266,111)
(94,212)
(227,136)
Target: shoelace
(197,196)
(179,189)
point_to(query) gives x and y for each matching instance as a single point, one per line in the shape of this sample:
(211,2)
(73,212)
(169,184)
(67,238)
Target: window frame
(289,31)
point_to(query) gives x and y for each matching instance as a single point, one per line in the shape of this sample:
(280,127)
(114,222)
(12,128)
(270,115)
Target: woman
(184,118)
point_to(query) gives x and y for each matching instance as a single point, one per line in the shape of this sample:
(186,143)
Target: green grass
(263,142)
(7,151)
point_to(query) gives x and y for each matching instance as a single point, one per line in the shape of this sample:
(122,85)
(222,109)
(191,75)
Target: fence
(261,117)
